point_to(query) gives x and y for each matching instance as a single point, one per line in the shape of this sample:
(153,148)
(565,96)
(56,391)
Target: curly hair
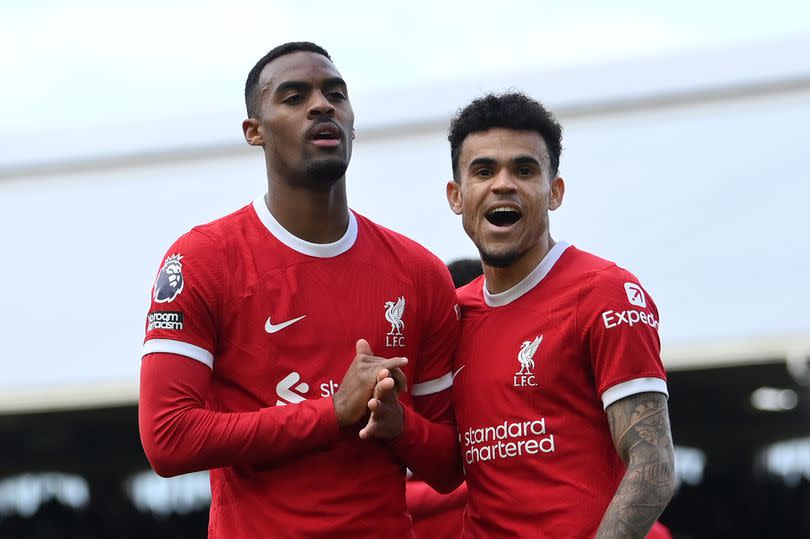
(252,82)
(513,110)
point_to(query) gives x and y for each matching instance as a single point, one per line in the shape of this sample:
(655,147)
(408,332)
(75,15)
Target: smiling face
(503,192)
(304,121)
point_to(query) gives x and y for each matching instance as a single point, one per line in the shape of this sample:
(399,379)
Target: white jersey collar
(527,283)
(319,250)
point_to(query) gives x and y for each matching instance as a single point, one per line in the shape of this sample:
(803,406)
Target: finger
(362,347)
(369,429)
(384,390)
(400,380)
(383,374)
(393,363)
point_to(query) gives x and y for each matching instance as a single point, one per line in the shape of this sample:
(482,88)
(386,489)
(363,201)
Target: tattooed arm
(639,425)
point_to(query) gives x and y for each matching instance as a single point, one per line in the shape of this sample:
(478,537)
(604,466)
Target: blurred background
(686,127)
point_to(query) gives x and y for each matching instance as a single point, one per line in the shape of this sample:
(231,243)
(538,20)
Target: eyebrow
(519,160)
(303,86)
(526,159)
(478,161)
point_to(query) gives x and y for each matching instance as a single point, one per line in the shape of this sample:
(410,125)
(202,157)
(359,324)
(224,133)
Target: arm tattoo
(639,425)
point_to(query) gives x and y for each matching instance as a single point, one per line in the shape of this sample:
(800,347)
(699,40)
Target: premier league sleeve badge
(169,282)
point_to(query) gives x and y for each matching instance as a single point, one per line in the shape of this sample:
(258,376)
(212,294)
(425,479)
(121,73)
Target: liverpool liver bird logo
(393,313)
(526,355)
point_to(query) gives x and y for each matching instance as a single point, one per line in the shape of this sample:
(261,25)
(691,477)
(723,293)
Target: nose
(503,182)
(319,106)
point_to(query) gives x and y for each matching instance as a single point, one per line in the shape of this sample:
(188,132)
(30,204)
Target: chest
(515,362)
(297,326)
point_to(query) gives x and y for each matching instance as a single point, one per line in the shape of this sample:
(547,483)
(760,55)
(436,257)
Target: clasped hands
(372,384)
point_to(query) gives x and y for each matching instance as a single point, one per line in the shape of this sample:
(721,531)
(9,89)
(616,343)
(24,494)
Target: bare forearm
(640,499)
(640,427)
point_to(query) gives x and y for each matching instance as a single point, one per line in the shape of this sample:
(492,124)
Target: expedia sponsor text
(630,317)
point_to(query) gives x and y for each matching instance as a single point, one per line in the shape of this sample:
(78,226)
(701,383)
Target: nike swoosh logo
(271,328)
(458,371)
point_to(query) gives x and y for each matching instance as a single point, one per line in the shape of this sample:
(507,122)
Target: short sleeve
(185,300)
(433,372)
(620,324)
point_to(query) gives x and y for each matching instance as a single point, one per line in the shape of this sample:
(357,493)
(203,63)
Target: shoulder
(598,275)
(579,263)
(407,251)
(608,289)
(204,246)
(470,294)
(219,230)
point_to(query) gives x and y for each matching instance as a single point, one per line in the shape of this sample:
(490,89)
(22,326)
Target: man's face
(503,193)
(305,120)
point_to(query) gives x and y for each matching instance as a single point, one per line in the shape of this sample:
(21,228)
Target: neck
(502,279)
(313,215)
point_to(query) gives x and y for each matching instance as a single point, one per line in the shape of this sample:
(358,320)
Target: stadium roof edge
(793,350)
(68,397)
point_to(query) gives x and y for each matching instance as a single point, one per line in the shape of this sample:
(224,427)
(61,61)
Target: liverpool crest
(525,375)
(393,313)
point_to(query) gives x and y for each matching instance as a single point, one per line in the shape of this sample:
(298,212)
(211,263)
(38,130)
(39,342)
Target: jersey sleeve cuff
(180,348)
(633,387)
(409,430)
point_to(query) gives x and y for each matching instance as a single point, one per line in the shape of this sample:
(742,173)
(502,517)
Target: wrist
(402,432)
(399,426)
(340,411)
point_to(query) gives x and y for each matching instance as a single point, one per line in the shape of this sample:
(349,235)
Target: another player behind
(259,358)
(436,515)
(560,394)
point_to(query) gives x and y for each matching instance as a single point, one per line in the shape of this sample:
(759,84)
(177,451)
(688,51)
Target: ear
(556,194)
(253,132)
(354,134)
(454,196)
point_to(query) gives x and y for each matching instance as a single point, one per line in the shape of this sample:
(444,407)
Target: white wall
(704,198)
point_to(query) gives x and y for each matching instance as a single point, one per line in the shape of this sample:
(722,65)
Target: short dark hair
(252,82)
(513,110)
(464,270)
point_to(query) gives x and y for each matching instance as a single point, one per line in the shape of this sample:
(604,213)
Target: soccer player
(560,393)
(270,327)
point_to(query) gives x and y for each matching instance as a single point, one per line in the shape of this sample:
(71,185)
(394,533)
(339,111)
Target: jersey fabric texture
(435,516)
(261,326)
(536,367)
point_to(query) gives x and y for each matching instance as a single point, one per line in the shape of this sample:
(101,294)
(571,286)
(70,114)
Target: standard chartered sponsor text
(507,440)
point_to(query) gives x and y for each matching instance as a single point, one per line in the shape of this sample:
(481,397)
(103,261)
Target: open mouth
(325,133)
(503,216)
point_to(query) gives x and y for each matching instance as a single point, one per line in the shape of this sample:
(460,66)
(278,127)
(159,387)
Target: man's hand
(387,418)
(352,397)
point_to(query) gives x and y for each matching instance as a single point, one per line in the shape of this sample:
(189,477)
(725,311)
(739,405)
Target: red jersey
(536,367)
(272,321)
(435,516)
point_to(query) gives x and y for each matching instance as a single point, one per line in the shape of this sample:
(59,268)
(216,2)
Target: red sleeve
(620,322)
(180,435)
(186,299)
(429,443)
